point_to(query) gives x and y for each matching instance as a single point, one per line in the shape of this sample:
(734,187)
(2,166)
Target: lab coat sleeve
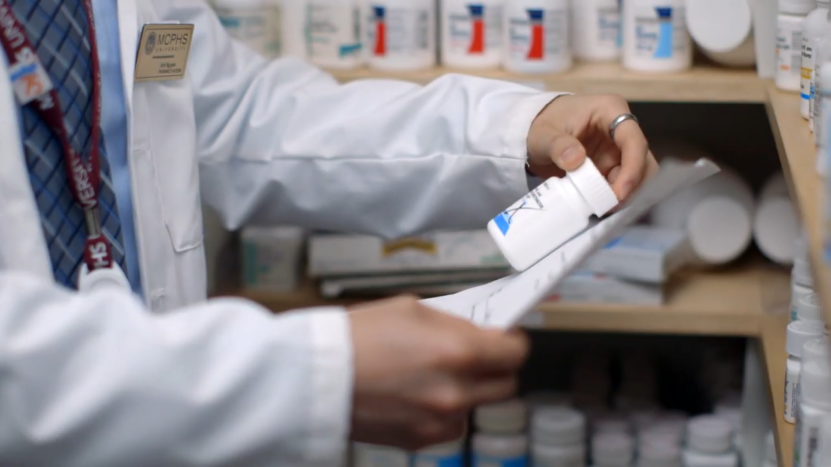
(283,142)
(95,380)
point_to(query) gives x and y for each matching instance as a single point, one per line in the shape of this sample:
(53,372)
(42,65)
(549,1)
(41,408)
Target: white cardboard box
(587,287)
(642,253)
(338,255)
(271,257)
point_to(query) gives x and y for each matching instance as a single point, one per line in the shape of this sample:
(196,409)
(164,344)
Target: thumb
(567,152)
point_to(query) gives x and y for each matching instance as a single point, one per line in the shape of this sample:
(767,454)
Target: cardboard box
(587,287)
(271,258)
(642,253)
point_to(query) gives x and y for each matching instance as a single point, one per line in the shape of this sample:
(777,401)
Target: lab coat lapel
(128,35)
(22,244)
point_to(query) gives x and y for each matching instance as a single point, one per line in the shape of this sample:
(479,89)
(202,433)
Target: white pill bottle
(814,401)
(655,37)
(775,222)
(536,36)
(789,22)
(333,33)
(471,33)
(799,333)
(255,23)
(550,215)
(595,29)
(723,30)
(815,27)
(401,34)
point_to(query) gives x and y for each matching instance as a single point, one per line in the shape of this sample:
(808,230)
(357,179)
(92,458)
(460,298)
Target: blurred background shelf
(703,83)
(798,155)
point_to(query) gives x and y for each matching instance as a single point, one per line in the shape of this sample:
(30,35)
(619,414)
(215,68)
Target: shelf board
(700,84)
(798,154)
(774,329)
(730,302)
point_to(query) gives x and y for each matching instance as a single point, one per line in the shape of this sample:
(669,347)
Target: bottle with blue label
(333,33)
(443,455)
(655,36)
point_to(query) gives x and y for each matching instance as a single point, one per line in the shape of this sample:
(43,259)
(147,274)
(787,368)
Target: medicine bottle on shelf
(558,435)
(595,29)
(471,33)
(822,131)
(814,401)
(550,215)
(443,455)
(501,440)
(293,29)
(333,33)
(723,30)
(536,36)
(655,37)
(370,455)
(401,34)
(799,333)
(709,443)
(775,222)
(255,23)
(815,26)
(792,14)
(808,308)
(613,449)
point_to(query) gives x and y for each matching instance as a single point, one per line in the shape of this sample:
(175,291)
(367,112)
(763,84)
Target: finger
(490,390)
(633,146)
(606,157)
(498,351)
(567,152)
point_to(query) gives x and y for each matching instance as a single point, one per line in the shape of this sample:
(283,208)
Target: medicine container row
(522,36)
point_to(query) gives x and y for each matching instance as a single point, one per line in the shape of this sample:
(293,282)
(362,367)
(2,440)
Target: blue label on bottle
(664,48)
(422,460)
(487,461)
(503,222)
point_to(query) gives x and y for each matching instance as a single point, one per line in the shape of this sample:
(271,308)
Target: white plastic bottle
(814,401)
(471,33)
(775,222)
(613,449)
(799,333)
(723,30)
(824,448)
(821,51)
(666,453)
(443,455)
(558,426)
(401,34)
(500,450)
(823,131)
(789,21)
(595,29)
(655,37)
(294,28)
(370,455)
(550,215)
(815,26)
(709,443)
(536,36)
(808,308)
(334,33)
(255,23)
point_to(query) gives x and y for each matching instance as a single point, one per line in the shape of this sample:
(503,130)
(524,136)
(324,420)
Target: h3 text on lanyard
(32,86)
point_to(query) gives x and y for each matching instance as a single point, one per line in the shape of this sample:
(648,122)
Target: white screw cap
(808,308)
(709,434)
(594,188)
(503,417)
(799,333)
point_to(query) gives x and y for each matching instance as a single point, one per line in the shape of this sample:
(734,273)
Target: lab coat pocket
(178,186)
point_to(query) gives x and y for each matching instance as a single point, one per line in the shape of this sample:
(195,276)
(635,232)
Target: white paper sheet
(502,303)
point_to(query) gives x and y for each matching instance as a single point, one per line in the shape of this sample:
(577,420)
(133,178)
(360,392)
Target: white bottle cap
(815,377)
(801,272)
(709,434)
(558,426)
(500,445)
(368,455)
(559,455)
(594,188)
(719,25)
(667,453)
(797,7)
(734,233)
(613,449)
(443,450)
(504,417)
(799,333)
(775,226)
(770,448)
(808,307)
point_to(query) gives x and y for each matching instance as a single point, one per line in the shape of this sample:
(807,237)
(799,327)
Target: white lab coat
(104,379)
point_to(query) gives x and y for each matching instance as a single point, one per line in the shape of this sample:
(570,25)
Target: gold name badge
(163,52)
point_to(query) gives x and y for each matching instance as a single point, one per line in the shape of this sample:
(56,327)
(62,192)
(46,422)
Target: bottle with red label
(536,36)
(401,34)
(471,33)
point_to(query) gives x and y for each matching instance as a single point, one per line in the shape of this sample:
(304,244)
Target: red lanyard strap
(32,86)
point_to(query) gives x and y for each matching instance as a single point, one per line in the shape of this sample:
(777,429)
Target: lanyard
(32,86)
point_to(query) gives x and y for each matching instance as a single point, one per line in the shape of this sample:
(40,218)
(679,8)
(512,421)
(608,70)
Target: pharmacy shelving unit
(748,300)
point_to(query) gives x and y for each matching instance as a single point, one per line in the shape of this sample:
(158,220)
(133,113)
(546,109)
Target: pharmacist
(110,353)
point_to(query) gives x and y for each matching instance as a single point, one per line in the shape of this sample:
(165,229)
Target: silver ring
(620,119)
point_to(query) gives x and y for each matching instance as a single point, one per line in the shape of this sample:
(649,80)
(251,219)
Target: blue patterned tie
(60,33)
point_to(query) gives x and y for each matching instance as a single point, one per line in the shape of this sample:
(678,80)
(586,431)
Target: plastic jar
(709,434)
(595,29)
(814,400)
(334,33)
(698,459)
(443,455)
(816,24)
(370,455)
(536,36)
(612,450)
(471,34)
(491,450)
(401,34)
(808,308)
(799,333)
(775,222)
(255,23)
(723,30)
(724,200)
(558,426)
(655,37)
(558,456)
(294,29)
(550,215)
(792,14)
(657,454)
(504,417)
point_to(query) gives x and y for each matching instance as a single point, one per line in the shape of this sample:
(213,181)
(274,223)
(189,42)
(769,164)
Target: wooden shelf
(798,154)
(731,302)
(774,329)
(701,84)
